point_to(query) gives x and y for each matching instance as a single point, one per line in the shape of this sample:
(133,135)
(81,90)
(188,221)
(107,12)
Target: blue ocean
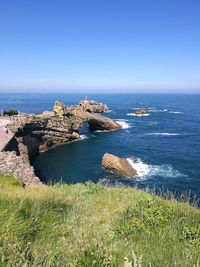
(163,146)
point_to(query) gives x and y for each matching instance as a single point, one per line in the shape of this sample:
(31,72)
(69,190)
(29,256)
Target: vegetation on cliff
(10,112)
(93,225)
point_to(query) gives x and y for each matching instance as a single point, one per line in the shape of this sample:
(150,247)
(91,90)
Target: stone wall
(11,164)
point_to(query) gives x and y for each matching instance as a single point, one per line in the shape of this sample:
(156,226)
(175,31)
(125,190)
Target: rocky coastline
(34,133)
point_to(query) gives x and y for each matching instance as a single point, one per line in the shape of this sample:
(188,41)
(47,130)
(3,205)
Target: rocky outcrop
(118,165)
(11,164)
(34,133)
(59,109)
(62,125)
(95,121)
(45,130)
(141,111)
(93,106)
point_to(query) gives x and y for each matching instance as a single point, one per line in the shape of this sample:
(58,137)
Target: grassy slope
(92,225)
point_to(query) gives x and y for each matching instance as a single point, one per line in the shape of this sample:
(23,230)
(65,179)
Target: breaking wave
(124,124)
(152,109)
(138,115)
(101,131)
(84,136)
(175,112)
(157,110)
(146,170)
(163,134)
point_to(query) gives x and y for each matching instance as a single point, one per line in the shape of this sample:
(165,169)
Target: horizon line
(106,93)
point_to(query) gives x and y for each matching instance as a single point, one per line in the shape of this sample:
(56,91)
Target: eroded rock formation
(118,165)
(33,133)
(93,106)
(95,121)
(59,126)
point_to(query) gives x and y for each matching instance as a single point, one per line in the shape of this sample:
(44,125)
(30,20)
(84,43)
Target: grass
(93,225)
(6,180)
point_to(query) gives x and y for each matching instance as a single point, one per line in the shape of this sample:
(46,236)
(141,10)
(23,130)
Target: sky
(100,46)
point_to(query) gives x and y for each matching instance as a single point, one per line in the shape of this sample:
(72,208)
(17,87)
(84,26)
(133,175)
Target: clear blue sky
(100,45)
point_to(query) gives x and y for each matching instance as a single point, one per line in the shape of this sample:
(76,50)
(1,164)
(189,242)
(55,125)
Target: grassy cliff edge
(94,225)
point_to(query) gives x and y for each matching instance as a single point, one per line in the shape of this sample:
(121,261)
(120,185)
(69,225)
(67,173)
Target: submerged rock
(120,166)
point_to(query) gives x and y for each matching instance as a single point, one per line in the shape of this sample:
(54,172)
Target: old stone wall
(11,164)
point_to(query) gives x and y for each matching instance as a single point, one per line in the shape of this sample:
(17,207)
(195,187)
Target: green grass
(93,225)
(6,180)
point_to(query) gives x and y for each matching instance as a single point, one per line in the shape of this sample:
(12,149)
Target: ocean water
(163,146)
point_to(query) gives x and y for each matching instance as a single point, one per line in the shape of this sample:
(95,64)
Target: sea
(163,146)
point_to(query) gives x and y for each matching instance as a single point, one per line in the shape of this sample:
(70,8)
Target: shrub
(146,215)
(10,112)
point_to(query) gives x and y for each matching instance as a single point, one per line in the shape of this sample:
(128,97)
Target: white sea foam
(142,169)
(175,112)
(121,120)
(137,115)
(146,170)
(157,110)
(151,109)
(124,124)
(163,134)
(152,123)
(83,136)
(101,131)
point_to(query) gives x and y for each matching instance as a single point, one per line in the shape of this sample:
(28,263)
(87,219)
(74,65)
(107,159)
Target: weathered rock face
(95,121)
(93,106)
(62,125)
(33,133)
(118,165)
(59,109)
(11,164)
(44,130)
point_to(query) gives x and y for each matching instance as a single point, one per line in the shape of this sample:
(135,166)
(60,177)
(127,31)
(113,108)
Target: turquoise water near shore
(163,146)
